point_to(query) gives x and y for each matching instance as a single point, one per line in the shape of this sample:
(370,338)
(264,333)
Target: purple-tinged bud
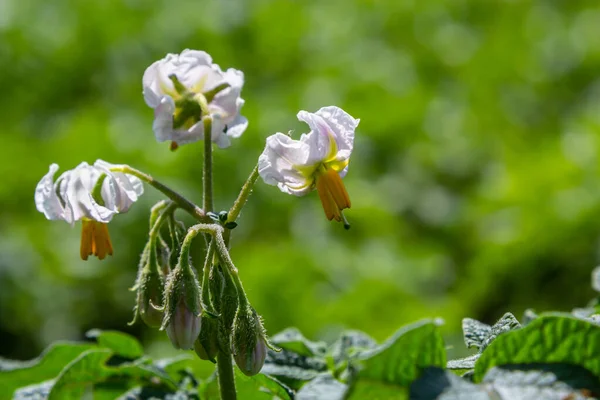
(184,326)
(182,306)
(207,344)
(249,343)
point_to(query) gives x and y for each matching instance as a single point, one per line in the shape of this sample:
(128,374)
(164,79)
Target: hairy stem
(222,253)
(181,201)
(226,379)
(241,200)
(208,262)
(207,186)
(164,213)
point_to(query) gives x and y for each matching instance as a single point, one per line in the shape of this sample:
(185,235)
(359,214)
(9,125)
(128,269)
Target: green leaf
(120,343)
(96,366)
(34,392)
(389,369)
(257,387)
(291,368)
(80,375)
(186,363)
(148,393)
(324,386)
(555,381)
(552,338)
(435,381)
(47,366)
(547,380)
(291,339)
(463,363)
(480,335)
(589,314)
(261,383)
(528,316)
(346,346)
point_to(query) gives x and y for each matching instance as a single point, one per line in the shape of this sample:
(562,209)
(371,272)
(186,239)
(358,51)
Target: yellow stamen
(332,193)
(95,240)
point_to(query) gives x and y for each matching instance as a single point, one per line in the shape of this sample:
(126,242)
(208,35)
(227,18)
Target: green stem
(241,200)
(181,201)
(207,185)
(222,252)
(156,210)
(208,262)
(224,360)
(226,379)
(164,214)
(234,212)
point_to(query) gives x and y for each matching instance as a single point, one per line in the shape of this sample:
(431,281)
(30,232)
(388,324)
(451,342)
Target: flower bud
(149,286)
(183,327)
(249,344)
(206,345)
(182,306)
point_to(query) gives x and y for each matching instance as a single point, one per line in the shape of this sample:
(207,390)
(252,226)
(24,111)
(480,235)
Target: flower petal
(152,89)
(330,122)
(163,119)
(128,187)
(318,139)
(278,164)
(236,127)
(46,198)
(342,125)
(79,195)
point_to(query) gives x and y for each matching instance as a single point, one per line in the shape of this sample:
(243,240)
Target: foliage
(474,185)
(551,356)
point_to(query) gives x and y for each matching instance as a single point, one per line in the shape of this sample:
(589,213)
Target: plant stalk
(207,185)
(239,203)
(226,379)
(181,201)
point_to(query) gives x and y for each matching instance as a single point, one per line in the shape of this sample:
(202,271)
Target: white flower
(92,194)
(170,85)
(318,160)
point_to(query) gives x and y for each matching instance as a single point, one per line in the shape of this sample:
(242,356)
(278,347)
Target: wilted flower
(92,195)
(173,86)
(319,159)
(249,343)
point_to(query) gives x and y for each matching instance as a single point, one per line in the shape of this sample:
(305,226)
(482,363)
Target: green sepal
(97,190)
(210,95)
(149,286)
(228,309)
(207,346)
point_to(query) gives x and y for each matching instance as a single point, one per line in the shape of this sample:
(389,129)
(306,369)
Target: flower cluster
(92,194)
(194,99)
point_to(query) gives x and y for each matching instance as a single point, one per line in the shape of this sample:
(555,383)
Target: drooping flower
(91,194)
(173,86)
(318,160)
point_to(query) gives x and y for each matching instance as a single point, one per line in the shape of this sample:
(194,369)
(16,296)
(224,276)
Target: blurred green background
(474,182)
